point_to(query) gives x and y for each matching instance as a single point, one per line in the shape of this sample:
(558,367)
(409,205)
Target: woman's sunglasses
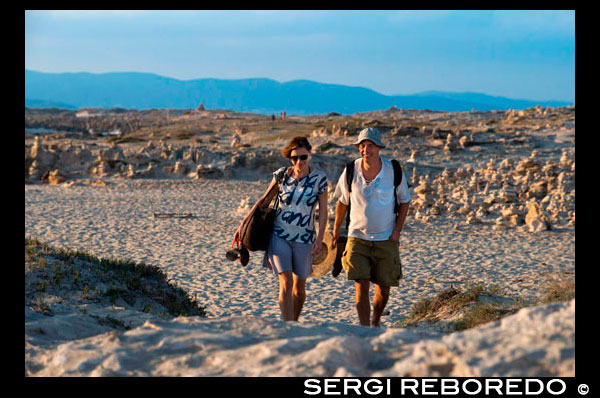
(301,157)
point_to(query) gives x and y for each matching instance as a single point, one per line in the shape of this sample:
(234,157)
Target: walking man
(372,249)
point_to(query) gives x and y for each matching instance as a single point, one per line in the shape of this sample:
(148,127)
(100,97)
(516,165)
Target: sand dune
(258,346)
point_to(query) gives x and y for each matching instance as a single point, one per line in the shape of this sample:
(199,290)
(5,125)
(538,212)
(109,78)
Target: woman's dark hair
(295,143)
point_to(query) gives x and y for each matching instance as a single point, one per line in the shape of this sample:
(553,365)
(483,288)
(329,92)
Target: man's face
(368,150)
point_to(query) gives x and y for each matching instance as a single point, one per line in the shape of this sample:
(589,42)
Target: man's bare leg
(363,304)
(380,299)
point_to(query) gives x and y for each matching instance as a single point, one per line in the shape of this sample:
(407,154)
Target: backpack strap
(349,174)
(397,181)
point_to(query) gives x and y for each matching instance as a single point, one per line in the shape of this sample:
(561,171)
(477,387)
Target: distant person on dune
(294,240)
(378,200)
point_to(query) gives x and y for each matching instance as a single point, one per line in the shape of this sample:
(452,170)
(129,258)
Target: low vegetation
(79,278)
(562,290)
(477,305)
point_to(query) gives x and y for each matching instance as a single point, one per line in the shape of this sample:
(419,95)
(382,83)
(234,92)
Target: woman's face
(299,158)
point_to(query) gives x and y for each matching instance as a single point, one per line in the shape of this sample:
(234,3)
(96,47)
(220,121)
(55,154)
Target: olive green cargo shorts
(378,261)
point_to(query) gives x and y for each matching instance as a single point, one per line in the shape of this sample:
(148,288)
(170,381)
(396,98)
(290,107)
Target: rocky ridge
(509,168)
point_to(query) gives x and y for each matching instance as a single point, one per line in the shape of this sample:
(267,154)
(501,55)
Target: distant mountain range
(265,96)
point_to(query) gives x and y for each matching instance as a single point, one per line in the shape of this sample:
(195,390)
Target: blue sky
(517,54)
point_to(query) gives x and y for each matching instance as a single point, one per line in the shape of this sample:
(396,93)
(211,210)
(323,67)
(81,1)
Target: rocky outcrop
(481,185)
(53,178)
(502,192)
(500,188)
(41,159)
(535,219)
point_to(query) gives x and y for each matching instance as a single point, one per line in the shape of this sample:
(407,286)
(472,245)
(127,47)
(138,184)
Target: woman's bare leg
(299,295)
(286,303)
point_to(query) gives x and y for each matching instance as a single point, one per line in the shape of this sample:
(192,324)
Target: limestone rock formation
(535,219)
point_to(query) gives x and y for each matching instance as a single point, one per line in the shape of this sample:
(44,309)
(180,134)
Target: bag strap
(279,180)
(276,195)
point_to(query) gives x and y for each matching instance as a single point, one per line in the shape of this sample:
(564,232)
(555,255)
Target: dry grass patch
(476,305)
(79,278)
(464,309)
(562,290)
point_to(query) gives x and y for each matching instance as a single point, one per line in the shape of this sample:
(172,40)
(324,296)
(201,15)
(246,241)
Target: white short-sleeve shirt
(372,214)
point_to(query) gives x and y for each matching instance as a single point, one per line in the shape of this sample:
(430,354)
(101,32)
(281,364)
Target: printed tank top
(297,198)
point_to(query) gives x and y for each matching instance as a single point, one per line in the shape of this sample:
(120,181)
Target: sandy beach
(118,221)
(490,206)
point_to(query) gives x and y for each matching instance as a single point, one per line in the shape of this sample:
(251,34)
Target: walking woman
(294,240)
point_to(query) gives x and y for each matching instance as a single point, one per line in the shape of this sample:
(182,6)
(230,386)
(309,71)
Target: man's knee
(362,288)
(362,285)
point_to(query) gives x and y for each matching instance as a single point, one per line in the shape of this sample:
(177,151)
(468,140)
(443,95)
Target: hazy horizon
(512,54)
(290,81)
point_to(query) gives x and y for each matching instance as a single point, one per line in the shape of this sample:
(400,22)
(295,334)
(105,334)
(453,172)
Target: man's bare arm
(399,222)
(340,214)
